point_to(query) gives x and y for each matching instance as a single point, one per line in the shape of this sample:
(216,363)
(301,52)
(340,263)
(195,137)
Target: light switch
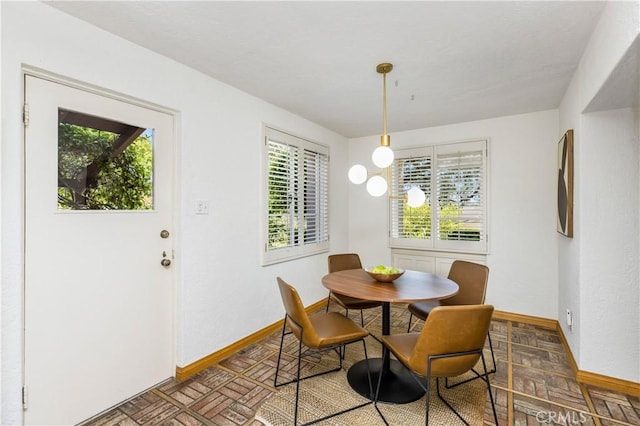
(202,206)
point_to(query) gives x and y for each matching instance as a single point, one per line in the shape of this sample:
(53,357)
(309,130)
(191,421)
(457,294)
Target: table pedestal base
(397,384)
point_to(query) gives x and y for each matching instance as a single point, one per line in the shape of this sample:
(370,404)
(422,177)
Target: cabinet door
(413,262)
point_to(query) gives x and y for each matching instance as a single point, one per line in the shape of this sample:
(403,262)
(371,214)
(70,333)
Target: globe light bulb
(416,197)
(382,156)
(358,174)
(377,186)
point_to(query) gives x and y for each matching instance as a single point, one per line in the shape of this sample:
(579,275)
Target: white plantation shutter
(454,179)
(316,197)
(297,197)
(282,187)
(461,195)
(411,226)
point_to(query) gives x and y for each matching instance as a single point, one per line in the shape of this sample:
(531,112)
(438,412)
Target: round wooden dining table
(397,385)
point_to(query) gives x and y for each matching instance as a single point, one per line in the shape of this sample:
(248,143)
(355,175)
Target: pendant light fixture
(382,157)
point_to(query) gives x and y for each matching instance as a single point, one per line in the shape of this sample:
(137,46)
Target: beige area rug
(330,393)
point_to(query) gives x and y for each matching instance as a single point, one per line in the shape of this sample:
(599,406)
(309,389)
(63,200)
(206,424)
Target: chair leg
(338,349)
(297,380)
(328,301)
(344,348)
(375,397)
(410,318)
(484,376)
(295,413)
(478,375)
(486,379)
(447,402)
(427,393)
(364,346)
(284,326)
(366,357)
(493,358)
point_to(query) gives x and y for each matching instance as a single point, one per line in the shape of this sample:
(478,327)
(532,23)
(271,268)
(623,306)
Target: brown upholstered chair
(319,333)
(340,262)
(450,344)
(472,279)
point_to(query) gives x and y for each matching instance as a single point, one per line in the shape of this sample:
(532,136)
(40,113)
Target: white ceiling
(453,61)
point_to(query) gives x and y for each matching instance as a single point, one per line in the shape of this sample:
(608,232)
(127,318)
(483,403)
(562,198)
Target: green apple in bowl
(381,269)
(385,274)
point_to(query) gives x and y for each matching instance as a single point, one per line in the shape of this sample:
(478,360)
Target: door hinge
(25,398)
(25,115)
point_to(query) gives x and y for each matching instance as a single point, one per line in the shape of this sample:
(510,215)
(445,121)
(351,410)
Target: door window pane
(103,164)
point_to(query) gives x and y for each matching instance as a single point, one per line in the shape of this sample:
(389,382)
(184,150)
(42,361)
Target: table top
(412,286)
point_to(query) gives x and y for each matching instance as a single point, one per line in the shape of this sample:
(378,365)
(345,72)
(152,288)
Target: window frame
(307,152)
(434,152)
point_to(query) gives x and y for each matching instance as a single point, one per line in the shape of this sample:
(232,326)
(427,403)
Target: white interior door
(99,319)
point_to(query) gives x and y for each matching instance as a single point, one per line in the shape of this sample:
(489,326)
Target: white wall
(569,249)
(610,338)
(1,245)
(599,276)
(219,137)
(523,249)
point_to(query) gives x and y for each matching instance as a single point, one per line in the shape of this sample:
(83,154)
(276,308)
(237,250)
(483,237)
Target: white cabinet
(414,262)
(435,262)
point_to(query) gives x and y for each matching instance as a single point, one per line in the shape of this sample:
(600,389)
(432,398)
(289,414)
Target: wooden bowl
(384,278)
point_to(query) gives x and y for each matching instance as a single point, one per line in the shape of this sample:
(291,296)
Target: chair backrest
(299,319)
(472,279)
(340,262)
(451,329)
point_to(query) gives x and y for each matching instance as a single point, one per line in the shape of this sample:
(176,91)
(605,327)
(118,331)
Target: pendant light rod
(378,183)
(384,69)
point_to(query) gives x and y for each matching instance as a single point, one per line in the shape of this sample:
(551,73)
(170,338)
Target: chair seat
(422,309)
(348,302)
(334,328)
(401,345)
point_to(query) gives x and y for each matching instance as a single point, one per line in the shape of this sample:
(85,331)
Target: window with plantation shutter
(454,179)
(461,187)
(411,226)
(297,197)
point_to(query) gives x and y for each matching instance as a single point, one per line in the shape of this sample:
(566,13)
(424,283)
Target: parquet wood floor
(533,385)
